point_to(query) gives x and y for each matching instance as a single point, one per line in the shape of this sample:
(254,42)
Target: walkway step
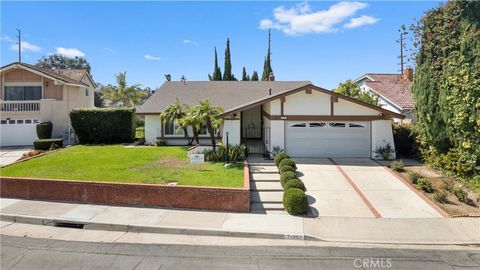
(259,207)
(266,186)
(263,169)
(266,163)
(265,176)
(266,196)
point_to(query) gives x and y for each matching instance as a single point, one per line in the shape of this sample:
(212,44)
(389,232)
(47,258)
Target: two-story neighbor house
(394,91)
(30,95)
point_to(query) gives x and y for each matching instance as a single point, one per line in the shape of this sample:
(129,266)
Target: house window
(173,129)
(11,121)
(203,129)
(23,92)
(3,122)
(28,121)
(19,121)
(317,124)
(337,125)
(36,121)
(299,125)
(86,92)
(352,125)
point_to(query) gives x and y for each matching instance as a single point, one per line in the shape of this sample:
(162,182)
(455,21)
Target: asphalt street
(33,253)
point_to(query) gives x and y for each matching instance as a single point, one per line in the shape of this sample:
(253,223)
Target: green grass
(116,163)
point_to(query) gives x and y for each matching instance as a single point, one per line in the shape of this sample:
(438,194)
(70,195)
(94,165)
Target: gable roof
(68,76)
(226,94)
(277,95)
(394,87)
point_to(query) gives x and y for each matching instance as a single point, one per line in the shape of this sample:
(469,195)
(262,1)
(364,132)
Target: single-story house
(394,91)
(30,95)
(303,119)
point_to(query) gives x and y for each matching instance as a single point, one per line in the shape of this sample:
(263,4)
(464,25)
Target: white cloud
(110,50)
(189,41)
(301,19)
(70,52)
(360,21)
(153,58)
(26,46)
(7,38)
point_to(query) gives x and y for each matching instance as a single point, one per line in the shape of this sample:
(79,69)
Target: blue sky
(325,42)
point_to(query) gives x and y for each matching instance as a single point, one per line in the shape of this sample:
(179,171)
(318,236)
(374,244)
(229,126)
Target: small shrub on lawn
(279,157)
(397,166)
(414,177)
(425,185)
(448,185)
(44,130)
(384,152)
(235,153)
(440,196)
(295,201)
(461,194)
(46,144)
(287,176)
(295,183)
(288,162)
(286,169)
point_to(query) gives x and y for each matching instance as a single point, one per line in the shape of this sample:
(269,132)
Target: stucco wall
(267,133)
(277,129)
(381,135)
(344,107)
(301,103)
(233,129)
(152,128)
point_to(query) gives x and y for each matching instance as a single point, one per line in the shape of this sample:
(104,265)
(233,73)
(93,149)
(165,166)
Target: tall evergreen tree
(227,70)
(267,67)
(245,76)
(217,73)
(254,76)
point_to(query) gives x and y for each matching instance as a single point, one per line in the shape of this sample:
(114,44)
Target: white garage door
(18,132)
(327,139)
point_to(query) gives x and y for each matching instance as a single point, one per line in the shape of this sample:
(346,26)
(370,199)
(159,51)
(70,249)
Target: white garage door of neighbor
(18,132)
(327,139)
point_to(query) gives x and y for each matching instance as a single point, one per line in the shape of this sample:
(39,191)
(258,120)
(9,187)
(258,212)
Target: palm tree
(129,96)
(193,120)
(208,113)
(176,111)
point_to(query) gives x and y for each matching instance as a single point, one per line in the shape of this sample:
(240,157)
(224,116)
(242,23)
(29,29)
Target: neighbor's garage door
(327,139)
(18,132)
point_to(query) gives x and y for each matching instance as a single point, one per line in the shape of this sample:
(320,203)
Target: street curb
(87,225)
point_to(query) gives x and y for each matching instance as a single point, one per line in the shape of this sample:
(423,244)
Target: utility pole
(403,32)
(19,36)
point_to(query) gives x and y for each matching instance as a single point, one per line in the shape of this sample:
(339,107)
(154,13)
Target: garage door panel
(327,139)
(18,132)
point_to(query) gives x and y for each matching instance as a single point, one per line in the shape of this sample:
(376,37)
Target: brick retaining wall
(128,194)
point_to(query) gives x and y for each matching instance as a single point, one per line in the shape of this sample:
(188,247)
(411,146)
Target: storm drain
(69,225)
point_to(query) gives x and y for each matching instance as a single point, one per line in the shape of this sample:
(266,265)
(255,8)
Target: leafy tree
(446,87)
(254,76)
(208,113)
(193,119)
(59,61)
(217,73)
(98,99)
(267,67)
(227,70)
(129,96)
(245,76)
(351,89)
(176,111)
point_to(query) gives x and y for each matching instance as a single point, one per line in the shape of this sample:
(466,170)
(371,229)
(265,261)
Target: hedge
(103,125)
(287,162)
(295,201)
(287,176)
(46,144)
(286,169)
(295,183)
(44,130)
(278,157)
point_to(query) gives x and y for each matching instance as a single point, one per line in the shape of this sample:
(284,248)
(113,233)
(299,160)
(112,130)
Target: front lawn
(117,163)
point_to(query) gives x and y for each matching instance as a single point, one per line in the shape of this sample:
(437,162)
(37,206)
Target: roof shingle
(394,87)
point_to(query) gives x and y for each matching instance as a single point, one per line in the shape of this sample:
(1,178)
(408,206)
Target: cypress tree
(217,73)
(267,67)
(227,71)
(244,75)
(254,76)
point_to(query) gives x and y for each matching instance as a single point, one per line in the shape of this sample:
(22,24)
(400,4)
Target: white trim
(39,74)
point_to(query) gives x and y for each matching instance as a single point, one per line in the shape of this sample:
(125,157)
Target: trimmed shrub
(414,177)
(47,144)
(286,169)
(425,185)
(140,133)
(235,153)
(295,201)
(286,176)
(384,152)
(461,194)
(103,125)
(279,157)
(287,162)
(295,183)
(44,130)
(397,166)
(405,140)
(440,197)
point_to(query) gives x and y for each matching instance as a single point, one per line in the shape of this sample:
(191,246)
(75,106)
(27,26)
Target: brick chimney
(408,74)
(271,77)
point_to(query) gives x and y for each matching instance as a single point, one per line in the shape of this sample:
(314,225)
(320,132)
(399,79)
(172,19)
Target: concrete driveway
(359,187)
(9,154)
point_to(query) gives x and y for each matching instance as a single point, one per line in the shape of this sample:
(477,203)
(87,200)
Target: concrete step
(266,196)
(265,177)
(266,186)
(262,207)
(263,169)
(266,163)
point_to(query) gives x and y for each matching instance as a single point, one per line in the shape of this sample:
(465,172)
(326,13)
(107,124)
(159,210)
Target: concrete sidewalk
(434,231)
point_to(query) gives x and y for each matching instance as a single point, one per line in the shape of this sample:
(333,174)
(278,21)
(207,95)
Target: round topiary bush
(286,176)
(287,162)
(279,157)
(294,183)
(44,130)
(286,169)
(295,201)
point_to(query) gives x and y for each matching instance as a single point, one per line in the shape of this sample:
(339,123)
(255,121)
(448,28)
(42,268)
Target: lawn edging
(130,194)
